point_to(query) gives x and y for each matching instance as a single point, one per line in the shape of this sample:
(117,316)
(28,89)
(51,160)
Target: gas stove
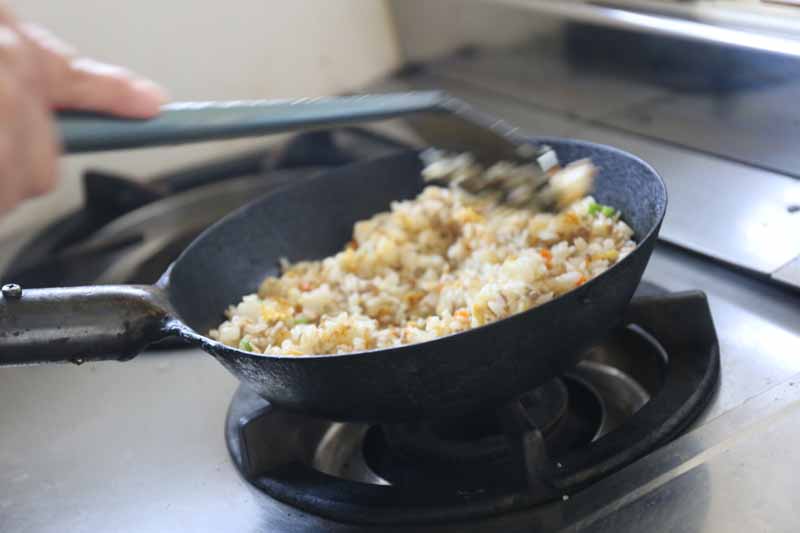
(631,393)
(682,420)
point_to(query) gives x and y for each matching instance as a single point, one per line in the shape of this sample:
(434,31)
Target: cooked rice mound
(441,263)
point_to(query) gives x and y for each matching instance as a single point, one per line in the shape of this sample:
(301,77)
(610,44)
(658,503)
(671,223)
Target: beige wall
(430,28)
(213,50)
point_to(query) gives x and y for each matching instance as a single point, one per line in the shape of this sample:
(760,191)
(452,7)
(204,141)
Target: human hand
(39,74)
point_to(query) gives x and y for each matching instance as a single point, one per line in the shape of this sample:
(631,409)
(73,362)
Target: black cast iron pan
(448,376)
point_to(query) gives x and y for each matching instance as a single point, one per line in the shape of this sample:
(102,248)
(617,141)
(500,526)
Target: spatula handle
(204,121)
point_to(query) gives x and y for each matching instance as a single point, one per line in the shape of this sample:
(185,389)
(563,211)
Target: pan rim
(181,328)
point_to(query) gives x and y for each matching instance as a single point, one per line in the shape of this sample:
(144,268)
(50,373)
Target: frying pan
(448,376)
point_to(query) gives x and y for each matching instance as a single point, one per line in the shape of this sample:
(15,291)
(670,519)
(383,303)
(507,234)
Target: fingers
(28,146)
(41,150)
(38,73)
(83,84)
(92,86)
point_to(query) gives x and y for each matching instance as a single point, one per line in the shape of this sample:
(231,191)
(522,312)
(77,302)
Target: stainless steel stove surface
(157,443)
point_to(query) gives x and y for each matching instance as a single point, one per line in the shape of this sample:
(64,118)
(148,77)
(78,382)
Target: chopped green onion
(608,211)
(301,320)
(244,344)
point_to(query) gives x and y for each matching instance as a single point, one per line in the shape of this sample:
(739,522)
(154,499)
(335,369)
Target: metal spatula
(440,121)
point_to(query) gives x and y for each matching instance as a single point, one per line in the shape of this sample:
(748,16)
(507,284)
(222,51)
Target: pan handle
(79,324)
(185,122)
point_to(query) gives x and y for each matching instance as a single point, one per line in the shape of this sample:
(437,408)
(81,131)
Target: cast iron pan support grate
(528,447)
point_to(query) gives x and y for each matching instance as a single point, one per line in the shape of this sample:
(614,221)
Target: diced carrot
(353,245)
(462,313)
(581,281)
(546,255)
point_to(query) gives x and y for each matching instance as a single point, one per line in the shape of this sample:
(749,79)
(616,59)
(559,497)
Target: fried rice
(441,263)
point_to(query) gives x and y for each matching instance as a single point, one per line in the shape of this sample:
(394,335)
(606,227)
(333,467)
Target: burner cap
(472,451)
(477,437)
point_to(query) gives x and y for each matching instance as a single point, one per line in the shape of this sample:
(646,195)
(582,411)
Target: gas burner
(408,453)
(631,393)
(473,451)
